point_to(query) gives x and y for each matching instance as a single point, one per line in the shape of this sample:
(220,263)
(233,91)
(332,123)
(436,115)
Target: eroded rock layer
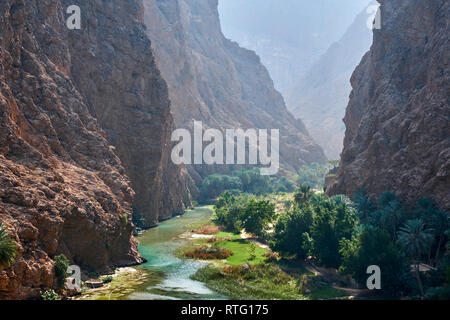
(398,118)
(80,112)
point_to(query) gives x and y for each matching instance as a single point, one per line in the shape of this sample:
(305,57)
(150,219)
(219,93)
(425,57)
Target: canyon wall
(398,117)
(84,120)
(213,80)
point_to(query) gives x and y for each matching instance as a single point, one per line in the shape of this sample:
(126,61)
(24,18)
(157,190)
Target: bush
(50,295)
(106,279)
(61,265)
(8,247)
(208,253)
(208,229)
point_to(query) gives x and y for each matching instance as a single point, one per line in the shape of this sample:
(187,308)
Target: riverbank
(252,271)
(164,276)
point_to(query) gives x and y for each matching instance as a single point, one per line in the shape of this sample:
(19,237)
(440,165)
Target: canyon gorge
(86,118)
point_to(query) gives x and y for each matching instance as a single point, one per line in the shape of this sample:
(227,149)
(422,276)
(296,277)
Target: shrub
(106,279)
(271,257)
(61,265)
(208,253)
(8,247)
(208,229)
(50,295)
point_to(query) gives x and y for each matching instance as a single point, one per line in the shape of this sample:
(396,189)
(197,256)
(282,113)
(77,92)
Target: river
(163,276)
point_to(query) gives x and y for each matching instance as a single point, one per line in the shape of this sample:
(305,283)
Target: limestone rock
(398,125)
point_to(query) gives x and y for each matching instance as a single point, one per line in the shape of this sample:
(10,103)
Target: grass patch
(264,282)
(326,292)
(250,283)
(244,251)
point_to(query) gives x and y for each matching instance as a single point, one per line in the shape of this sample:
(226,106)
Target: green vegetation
(124,220)
(373,246)
(123,284)
(251,282)
(106,279)
(8,247)
(256,216)
(245,181)
(348,236)
(313,175)
(416,240)
(315,227)
(410,245)
(244,252)
(61,265)
(50,295)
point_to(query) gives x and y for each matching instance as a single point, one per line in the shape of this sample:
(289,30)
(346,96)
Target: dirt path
(248,237)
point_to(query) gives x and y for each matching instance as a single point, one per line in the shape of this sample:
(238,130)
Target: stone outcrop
(213,80)
(398,125)
(84,120)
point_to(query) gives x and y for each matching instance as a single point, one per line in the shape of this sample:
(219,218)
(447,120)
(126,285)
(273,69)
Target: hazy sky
(316,23)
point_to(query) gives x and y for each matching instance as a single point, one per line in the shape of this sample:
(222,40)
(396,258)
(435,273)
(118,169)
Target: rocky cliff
(84,120)
(398,117)
(212,79)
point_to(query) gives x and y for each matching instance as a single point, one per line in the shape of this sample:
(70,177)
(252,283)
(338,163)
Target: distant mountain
(290,37)
(322,94)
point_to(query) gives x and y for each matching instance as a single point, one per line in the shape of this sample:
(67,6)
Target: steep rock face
(213,80)
(321,96)
(398,118)
(114,69)
(63,188)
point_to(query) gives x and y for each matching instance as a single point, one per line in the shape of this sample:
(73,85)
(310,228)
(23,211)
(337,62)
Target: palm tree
(415,240)
(440,222)
(303,194)
(8,248)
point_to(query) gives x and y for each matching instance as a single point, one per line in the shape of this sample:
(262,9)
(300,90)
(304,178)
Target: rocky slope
(80,112)
(213,80)
(398,125)
(321,96)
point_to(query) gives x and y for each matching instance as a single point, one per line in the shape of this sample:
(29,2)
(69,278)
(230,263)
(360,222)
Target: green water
(168,277)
